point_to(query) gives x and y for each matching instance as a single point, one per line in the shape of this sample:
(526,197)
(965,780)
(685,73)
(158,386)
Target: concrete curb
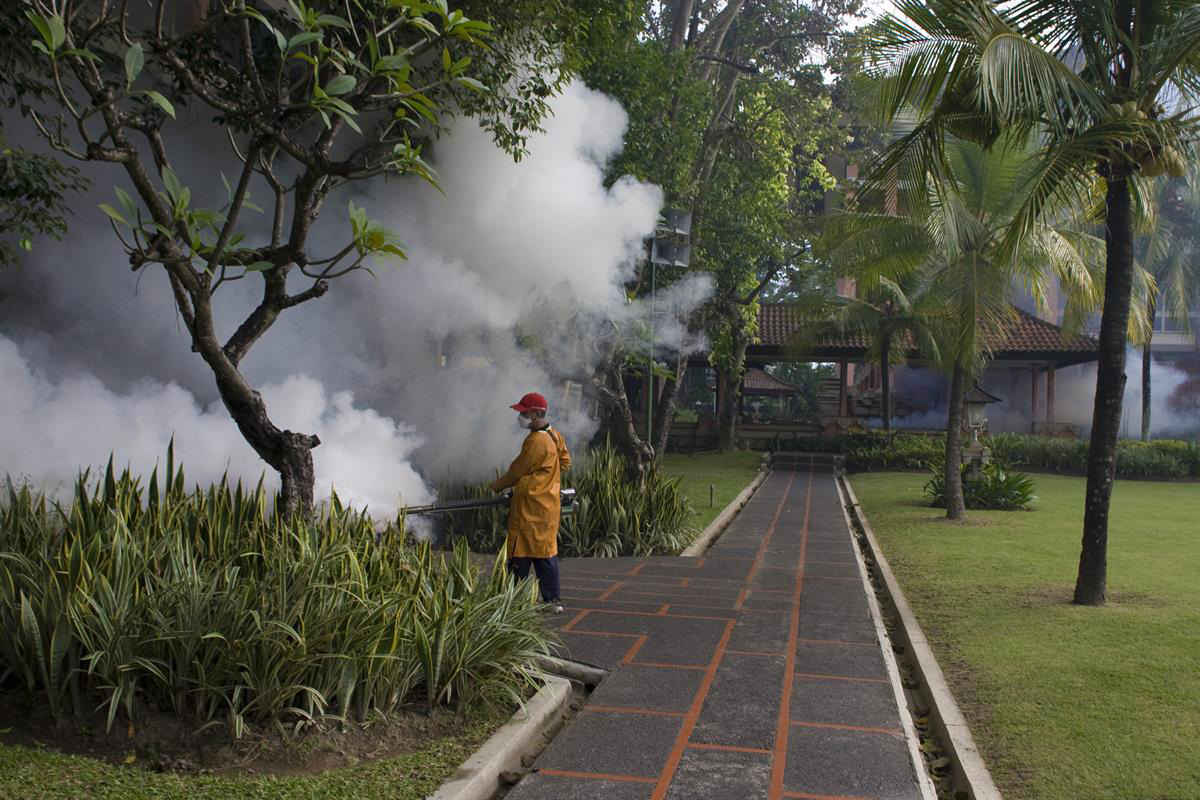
(921,773)
(968,768)
(478,778)
(714,529)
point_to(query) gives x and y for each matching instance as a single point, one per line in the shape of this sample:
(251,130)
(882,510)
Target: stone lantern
(975,455)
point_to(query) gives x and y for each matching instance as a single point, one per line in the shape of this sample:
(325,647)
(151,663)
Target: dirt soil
(162,742)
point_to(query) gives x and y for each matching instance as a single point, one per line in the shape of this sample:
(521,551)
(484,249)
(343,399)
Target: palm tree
(1110,88)
(894,318)
(951,244)
(1169,252)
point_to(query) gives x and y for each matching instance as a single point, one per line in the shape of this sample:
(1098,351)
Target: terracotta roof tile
(756,380)
(1023,333)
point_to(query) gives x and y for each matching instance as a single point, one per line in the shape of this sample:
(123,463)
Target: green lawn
(727,473)
(37,774)
(1067,703)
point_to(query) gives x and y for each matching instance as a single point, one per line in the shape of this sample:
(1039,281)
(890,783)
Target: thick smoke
(1074,399)
(514,274)
(365,458)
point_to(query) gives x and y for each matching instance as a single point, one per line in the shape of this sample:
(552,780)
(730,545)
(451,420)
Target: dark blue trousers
(546,570)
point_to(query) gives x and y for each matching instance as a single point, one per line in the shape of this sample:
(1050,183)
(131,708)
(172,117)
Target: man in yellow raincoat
(536,478)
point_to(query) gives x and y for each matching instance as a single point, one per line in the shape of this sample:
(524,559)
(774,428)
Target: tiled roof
(757,381)
(1023,333)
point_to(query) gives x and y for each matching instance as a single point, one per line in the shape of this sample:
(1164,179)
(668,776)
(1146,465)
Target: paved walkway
(753,672)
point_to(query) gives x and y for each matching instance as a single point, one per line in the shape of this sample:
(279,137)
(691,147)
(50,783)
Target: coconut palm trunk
(956,507)
(1146,374)
(1091,583)
(886,377)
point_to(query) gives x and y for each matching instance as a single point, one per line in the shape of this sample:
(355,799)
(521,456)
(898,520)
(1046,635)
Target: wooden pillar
(1033,397)
(1050,392)
(842,379)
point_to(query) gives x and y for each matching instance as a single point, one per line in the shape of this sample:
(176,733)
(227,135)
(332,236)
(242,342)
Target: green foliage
(995,488)
(1168,459)
(204,605)
(614,518)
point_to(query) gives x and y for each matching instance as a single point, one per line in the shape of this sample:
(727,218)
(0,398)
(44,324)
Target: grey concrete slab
(826,569)
(844,763)
(599,651)
(614,743)
(855,627)
(857,703)
(836,658)
(721,775)
(654,688)
(761,632)
(539,786)
(742,707)
(683,641)
(772,601)
(572,605)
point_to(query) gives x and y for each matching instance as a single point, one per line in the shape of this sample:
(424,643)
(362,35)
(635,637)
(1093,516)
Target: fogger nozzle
(567,498)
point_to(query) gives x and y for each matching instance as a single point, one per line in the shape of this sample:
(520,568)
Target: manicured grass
(727,473)
(1066,702)
(36,774)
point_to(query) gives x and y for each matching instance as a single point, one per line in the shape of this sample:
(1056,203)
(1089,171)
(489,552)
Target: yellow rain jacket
(536,476)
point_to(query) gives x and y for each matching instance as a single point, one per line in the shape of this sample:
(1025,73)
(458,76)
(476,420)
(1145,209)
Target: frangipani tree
(310,97)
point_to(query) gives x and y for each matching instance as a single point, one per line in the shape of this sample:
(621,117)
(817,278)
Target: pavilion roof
(1021,337)
(757,381)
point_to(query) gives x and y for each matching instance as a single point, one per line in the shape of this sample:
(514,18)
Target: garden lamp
(975,400)
(975,455)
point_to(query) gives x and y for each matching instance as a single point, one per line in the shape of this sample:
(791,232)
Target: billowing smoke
(365,458)
(514,274)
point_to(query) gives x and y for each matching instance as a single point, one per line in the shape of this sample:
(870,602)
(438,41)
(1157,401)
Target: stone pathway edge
(478,778)
(709,535)
(948,721)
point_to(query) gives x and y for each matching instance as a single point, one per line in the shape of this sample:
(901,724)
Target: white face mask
(524,421)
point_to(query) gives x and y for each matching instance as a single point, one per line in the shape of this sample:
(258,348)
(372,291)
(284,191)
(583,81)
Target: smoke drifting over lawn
(513,275)
(1074,399)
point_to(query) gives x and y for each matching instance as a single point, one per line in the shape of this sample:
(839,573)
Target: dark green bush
(614,518)
(1168,459)
(996,488)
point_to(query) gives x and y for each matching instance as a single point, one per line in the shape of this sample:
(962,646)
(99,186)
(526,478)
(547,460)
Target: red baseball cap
(531,402)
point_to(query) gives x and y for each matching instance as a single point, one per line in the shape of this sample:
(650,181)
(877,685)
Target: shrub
(1167,459)
(203,605)
(614,518)
(995,488)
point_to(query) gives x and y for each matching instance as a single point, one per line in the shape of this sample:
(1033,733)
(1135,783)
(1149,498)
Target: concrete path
(753,672)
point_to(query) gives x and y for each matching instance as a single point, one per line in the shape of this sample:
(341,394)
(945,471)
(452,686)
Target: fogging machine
(567,499)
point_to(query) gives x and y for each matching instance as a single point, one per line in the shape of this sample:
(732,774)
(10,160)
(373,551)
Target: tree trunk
(732,378)
(1146,374)
(955,506)
(1146,392)
(1091,583)
(885,366)
(289,453)
(681,18)
(639,456)
(664,412)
